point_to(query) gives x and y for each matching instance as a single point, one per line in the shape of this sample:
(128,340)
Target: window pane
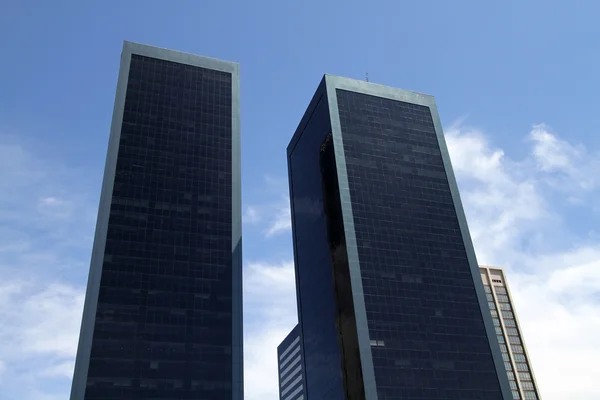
(522,367)
(512,331)
(524,376)
(517,348)
(502,298)
(500,290)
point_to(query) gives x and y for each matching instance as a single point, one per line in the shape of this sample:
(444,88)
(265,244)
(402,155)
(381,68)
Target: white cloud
(51,202)
(269,315)
(54,207)
(46,222)
(39,328)
(63,370)
(251,215)
(503,203)
(39,319)
(281,220)
(46,212)
(551,153)
(271,217)
(517,221)
(569,163)
(517,216)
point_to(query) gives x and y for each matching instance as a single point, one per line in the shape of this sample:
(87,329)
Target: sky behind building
(516,87)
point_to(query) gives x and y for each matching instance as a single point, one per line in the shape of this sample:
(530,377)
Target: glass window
(530,395)
(514,340)
(502,298)
(500,290)
(490,297)
(527,385)
(512,331)
(513,385)
(507,314)
(510,375)
(494,313)
(161,249)
(487,289)
(519,357)
(503,348)
(498,330)
(505,306)
(316,281)
(522,367)
(496,322)
(508,366)
(491,305)
(517,348)
(524,376)
(393,164)
(516,394)
(509,322)
(505,357)
(501,339)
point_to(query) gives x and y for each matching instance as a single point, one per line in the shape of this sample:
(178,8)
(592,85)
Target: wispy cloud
(39,327)
(251,215)
(272,217)
(269,315)
(46,221)
(47,211)
(569,164)
(281,220)
(517,219)
(518,216)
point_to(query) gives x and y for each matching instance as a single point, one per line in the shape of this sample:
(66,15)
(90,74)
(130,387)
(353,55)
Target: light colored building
(510,337)
(289,361)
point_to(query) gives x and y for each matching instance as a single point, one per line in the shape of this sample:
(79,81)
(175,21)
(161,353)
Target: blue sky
(516,85)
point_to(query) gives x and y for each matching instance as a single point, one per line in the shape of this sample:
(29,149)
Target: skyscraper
(510,337)
(390,301)
(163,309)
(289,365)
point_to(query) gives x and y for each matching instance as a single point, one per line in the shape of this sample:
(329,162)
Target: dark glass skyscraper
(390,301)
(163,310)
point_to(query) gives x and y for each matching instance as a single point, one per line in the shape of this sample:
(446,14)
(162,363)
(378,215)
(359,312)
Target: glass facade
(317,308)
(166,306)
(289,366)
(376,205)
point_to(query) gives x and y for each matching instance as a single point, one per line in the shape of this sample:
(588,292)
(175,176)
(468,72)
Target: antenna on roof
(367,77)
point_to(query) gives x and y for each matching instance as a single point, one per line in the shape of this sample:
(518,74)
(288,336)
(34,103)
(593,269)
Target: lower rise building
(289,361)
(510,337)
